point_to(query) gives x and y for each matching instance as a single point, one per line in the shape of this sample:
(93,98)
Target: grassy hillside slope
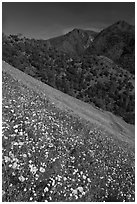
(57,148)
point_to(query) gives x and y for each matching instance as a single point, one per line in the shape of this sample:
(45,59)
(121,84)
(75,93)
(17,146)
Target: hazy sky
(45,20)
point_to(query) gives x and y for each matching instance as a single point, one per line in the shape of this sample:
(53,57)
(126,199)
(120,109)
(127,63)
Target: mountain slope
(78,107)
(93,79)
(57,148)
(74,42)
(117,42)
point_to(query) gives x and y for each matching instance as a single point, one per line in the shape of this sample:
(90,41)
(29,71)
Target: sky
(45,20)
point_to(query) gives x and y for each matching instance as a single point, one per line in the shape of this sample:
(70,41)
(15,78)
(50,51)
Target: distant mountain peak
(121,24)
(77,30)
(74,42)
(116,42)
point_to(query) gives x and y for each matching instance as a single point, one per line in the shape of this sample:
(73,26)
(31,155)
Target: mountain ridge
(86,77)
(73,42)
(117,42)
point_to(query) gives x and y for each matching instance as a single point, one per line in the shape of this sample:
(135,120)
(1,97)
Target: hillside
(94,79)
(73,43)
(116,42)
(58,148)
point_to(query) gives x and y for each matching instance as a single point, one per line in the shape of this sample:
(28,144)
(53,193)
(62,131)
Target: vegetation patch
(94,79)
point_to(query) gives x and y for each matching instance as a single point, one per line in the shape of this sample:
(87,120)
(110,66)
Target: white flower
(24,155)
(74,191)
(64,178)
(15,143)
(6,158)
(21,143)
(33,168)
(16,130)
(80,189)
(15,126)
(14,166)
(21,178)
(88,179)
(53,182)
(76,196)
(42,169)
(46,189)
(21,133)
